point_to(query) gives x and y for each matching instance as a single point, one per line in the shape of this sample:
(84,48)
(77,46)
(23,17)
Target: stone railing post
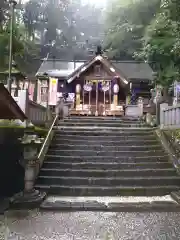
(163,115)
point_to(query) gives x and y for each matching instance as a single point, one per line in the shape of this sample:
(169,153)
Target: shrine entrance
(97,97)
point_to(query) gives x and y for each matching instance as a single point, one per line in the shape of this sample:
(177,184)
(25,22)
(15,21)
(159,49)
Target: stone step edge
(158,145)
(126,204)
(85,187)
(104,151)
(111,178)
(107,170)
(106,141)
(107,157)
(106,128)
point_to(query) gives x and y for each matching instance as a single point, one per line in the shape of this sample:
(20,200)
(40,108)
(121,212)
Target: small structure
(16,74)
(9,109)
(99,86)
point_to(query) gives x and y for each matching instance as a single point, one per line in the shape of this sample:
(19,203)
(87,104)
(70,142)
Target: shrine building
(99,86)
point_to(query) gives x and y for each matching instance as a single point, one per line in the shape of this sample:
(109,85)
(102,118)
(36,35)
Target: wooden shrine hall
(99,86)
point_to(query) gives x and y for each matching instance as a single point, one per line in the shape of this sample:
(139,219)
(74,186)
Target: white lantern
(116,88)
(78,88)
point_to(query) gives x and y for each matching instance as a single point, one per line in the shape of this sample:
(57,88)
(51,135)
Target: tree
(126,23)
(3,12)
(161,43)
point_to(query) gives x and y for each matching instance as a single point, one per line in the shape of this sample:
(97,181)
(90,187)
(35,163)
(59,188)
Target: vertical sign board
(53,83)
(39,91)
(31,91)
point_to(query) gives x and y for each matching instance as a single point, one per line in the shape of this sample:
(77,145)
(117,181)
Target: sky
(94,2)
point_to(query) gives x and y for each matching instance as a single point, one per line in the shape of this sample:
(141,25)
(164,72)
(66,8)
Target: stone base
(133,111)
(31,199)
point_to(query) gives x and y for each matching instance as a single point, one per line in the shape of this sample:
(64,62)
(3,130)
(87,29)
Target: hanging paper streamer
(87,87)
(105,87)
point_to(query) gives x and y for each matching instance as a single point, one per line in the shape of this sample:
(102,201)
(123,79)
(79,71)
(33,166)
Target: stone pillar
(162,114)
(175,101)
(78,90)
(148,118)
(115,97)
(140,105)
(128,99)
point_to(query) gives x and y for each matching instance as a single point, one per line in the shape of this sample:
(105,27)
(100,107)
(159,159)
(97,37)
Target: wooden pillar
(115,97)
(96,112)
(78,99)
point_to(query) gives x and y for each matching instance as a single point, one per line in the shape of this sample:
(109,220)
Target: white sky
(94,2)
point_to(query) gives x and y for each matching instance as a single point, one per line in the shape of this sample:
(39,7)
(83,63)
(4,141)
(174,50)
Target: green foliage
(149,31)
(162,43)
(126,23)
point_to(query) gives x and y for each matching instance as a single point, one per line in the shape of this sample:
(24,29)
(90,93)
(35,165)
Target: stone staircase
(93,156)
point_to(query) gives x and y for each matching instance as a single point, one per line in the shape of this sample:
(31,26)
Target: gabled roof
(130,70)
(110,68)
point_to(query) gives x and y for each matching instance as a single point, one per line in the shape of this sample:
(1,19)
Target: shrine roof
(58,68)
(134,70)
(66,69)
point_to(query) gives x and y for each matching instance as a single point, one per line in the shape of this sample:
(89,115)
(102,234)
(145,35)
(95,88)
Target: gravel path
(35,225)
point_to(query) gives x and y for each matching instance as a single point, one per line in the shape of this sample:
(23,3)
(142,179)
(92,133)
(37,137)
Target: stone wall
(11,172)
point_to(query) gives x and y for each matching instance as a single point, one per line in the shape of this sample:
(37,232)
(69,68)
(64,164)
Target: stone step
(105,159)
(107,173)
(101,124)
(104,118)
(106,165)
(105,132)
(105,121)
(97,138)
(84,190)
(80,205)
(121,142)
(110,181)
(85,147)
(101,118)
(130,153)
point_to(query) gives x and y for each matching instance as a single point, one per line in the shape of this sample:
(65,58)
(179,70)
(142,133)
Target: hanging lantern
(116,88)
(78,88)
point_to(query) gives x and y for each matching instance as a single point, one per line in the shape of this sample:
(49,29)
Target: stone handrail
(169,116)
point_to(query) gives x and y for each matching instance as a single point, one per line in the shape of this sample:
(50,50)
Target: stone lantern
(31,145)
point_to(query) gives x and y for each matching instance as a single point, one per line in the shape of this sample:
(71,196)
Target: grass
(8,124)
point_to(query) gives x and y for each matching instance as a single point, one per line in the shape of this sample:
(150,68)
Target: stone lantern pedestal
(30,163)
